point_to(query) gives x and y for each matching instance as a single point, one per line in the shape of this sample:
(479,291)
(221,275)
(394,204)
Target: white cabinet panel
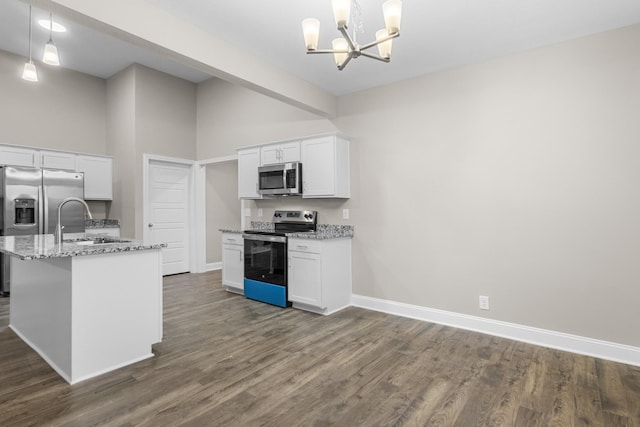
(325,167)
(98,176)
(248,162)
(16,156)
(58,160)
(319,274)
(305,278)
(285,152)
(233,261)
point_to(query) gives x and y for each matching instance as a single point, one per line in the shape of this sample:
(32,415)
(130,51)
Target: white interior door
(168,213)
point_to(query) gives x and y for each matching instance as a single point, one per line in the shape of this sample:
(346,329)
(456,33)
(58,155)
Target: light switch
(345,213)
(247,211)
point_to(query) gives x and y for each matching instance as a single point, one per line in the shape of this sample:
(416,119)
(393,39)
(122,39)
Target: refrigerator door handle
(44,206)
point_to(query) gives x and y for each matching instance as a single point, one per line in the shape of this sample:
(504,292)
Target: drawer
(232,239)
(305,245)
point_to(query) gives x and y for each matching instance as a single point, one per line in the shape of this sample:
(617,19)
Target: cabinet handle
(302,246)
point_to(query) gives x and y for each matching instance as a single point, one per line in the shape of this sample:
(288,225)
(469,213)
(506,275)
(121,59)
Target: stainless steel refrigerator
(29,201)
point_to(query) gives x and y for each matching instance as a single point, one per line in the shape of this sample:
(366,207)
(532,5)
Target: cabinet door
(248,162)
(58,160)
(16,156)
(290,152)
(270,154)
(285,152)
(232,265)
(305,281)
(318,167)
(98,177)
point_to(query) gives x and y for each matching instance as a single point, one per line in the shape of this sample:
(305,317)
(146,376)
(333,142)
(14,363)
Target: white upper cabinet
(16,156)
(248,162)
(325,167)
(98,176)
(285,152)
(58,160)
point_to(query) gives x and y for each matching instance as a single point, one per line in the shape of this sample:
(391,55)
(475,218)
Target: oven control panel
(295,216)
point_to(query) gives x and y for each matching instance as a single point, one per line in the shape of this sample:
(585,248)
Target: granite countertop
(324,231)
(42,246)
(101,223)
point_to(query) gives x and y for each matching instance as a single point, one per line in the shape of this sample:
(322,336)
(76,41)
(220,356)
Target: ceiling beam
(144,25)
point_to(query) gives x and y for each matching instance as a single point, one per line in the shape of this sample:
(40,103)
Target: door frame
(196,206)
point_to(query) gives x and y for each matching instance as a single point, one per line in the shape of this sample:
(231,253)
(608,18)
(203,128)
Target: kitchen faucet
(57,234)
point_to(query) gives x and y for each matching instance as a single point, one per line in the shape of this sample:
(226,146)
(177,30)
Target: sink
(96,240)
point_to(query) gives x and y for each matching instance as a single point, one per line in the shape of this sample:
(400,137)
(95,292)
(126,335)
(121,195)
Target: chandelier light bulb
(392,10)
(341,12)
(311,32)
(341,48)
(384,47)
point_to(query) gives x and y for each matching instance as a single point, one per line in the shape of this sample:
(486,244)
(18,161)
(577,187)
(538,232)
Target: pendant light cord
(29,33)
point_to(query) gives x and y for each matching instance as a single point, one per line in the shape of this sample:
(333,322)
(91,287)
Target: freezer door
(21,192)
(57,186)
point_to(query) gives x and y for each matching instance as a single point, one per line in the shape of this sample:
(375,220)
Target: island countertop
(43,246)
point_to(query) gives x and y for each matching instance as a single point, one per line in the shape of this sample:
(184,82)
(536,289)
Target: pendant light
(50,55)
(30,73)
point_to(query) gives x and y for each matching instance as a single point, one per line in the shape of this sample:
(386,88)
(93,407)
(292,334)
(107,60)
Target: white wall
(516,179)
(65,110)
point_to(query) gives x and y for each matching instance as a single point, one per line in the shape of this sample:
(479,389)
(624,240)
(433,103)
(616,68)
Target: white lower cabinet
(233,262)
(319,274)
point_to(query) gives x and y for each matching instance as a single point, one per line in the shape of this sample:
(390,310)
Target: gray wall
(516,179)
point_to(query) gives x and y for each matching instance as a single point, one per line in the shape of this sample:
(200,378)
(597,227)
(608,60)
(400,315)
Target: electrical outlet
(345,213)
(484,302)
(260,212)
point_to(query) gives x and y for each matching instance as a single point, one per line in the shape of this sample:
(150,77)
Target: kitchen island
(88,306)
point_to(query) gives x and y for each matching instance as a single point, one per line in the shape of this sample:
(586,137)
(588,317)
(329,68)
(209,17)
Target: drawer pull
(302,246)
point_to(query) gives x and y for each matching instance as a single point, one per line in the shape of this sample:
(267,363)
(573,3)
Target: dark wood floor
(229,361)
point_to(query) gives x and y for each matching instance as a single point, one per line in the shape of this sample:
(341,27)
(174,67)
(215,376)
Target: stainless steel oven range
(265,256)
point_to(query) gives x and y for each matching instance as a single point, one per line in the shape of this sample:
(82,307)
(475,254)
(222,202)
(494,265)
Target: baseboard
(213,266)
(558,340)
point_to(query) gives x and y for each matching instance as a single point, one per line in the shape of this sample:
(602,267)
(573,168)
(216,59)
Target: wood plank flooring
(229,361)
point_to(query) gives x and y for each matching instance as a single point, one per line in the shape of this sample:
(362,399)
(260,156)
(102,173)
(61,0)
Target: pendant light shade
(50,55)
(341,50)
(311,32)
(392,11)
(30,73)
(341,12)
(384,46)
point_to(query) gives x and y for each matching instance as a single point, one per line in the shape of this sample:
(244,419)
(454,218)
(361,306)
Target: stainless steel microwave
(283,179)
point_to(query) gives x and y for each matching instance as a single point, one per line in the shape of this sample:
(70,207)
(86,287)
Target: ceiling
(435,35)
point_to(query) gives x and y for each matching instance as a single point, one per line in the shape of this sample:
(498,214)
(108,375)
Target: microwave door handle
(41,210)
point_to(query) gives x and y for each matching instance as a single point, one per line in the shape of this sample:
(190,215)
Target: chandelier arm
(352,45)
(326,51)
(379,58)
(382,40)
(344,64)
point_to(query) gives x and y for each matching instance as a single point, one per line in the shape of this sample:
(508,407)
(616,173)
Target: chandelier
(346,47)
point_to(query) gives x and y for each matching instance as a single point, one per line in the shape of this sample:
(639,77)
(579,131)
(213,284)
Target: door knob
(150,225)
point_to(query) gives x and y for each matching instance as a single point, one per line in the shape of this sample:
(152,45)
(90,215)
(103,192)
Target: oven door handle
(265,238)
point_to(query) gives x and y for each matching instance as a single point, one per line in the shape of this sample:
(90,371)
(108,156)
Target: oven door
(265,258)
